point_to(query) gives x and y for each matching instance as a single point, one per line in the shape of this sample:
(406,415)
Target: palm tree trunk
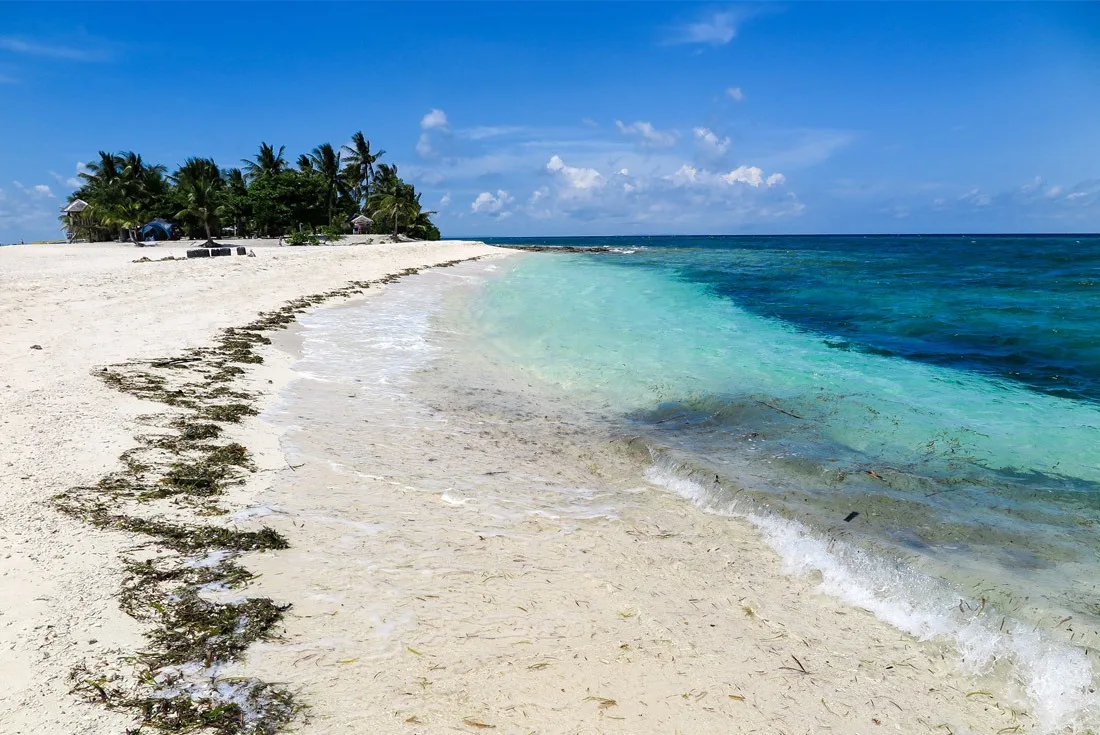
(395,210)
(206,224)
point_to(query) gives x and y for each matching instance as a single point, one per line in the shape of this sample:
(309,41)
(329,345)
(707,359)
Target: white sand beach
(431,594)
(63,311)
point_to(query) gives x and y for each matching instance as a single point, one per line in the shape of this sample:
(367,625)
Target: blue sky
(583,118)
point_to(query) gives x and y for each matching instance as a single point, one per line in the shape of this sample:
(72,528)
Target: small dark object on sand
(242,250)
(36,347)
(221,251)
(198,253)
(848,518)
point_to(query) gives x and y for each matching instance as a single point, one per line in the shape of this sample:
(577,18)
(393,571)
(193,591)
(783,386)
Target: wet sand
(467,555)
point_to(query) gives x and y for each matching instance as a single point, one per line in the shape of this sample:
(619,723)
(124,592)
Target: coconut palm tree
(237,205)
(360,167)
(141,192)
(326,160)
(422,226)
(105,170)
(267,161)
(304,163)
(200,184)
(395,200)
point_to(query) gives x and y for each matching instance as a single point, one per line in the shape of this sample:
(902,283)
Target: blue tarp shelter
(158,229)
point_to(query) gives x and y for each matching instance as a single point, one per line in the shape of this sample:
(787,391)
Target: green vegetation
(303,238)
(266,196)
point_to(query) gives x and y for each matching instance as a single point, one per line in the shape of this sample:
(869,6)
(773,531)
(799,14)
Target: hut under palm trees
(360,224)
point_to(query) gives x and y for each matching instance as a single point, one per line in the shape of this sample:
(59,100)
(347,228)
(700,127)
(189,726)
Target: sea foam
(1056,681)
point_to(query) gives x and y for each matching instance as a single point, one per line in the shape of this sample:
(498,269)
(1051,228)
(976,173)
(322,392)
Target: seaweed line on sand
(180,471)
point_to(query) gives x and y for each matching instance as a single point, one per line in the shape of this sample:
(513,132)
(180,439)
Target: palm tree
(103,171)
(123,191)
(397,200)
(422,226)
(304,163)
(237,205)
(141,187)
(201,184)
(102,190)
(267,161)
(360,166)
(327,162)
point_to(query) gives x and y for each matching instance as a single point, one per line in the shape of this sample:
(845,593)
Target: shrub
(302,238)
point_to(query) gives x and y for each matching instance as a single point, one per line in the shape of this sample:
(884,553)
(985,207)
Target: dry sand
(651,617)
(88,305)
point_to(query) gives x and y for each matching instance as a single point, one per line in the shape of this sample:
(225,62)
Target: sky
(586,118)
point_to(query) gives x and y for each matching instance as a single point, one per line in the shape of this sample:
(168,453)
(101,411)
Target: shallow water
(943,389)
(974,480)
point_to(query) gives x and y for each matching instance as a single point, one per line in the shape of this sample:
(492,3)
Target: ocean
(914,420)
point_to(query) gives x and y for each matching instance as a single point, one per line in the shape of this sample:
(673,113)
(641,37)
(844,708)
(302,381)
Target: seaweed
(228,412)
(194,629)
(189,635)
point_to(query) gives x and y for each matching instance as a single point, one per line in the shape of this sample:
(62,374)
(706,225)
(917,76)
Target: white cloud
(424,146)
(85,51)
(445,200)
(1076,195)
(977,198)
(688,175)
(594,179)
(432,124)
(735,93)
(72,182)
(650,136)
(492,205)
(434,119)
(574,177)
(709,142)
(39,191)
(485,132)
(715,29)
(751,175)
(1054,191)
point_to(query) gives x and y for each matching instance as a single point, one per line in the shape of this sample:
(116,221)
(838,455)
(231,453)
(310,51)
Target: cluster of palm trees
(266,196)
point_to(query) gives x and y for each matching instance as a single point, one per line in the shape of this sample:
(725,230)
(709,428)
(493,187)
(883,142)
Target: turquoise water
(946,390)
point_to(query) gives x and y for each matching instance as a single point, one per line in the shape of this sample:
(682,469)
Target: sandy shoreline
(89,305)
(465,564)
(656,618)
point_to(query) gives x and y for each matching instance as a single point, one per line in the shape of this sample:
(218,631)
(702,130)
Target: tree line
(266,196)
